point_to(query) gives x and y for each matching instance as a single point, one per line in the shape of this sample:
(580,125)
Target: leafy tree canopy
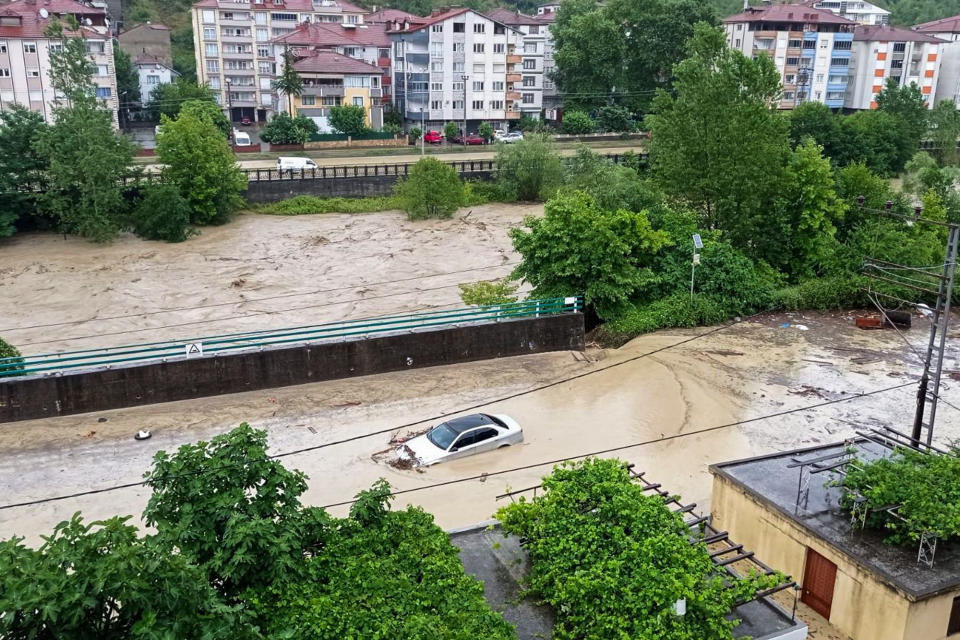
(21,165)
(432,190)
(166,99)
(530,169)
(283,129)
(128,80)
(577,122)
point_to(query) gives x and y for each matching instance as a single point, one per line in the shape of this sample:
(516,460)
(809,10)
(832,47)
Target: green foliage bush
(286,130)
(611,559)
(348,119)
(451,130)
(486,293)
(676,310)
(166,99)
(208,111)
(824,293)
(21,165)
(614,118)
(613,186)
(306,205)
(529,170)
(477,192)
(577,122)
(162,214)
(485,131)
(926,488)
(10,358)
(432,190)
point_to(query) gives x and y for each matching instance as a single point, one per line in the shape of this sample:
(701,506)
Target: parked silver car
(461,437)
(513,136)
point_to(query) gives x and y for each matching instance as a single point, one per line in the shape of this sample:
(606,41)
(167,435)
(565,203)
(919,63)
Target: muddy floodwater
(256,272)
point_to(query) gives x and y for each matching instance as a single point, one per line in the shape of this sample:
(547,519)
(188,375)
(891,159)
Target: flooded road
(256,272)
(671,411)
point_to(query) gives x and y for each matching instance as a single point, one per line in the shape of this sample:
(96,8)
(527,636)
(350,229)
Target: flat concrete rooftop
(501,564)
(772,482)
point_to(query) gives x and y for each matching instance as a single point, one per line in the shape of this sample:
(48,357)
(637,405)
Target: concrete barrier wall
(260,191)
(84,391)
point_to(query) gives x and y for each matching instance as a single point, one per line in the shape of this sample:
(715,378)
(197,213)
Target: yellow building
(331,79)
(784,507)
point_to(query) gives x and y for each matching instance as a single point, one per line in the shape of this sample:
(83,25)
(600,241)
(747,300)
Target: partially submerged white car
(461,437)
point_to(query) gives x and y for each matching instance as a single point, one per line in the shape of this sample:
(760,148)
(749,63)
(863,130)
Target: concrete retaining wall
(84,391)
(259,191)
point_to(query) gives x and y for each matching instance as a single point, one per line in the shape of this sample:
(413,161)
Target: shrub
(527,123)
(163,214)
(837,292)
(677,310)
(451,130)
(577,122)
(432,190)
(348,119)
(477,192)
(10,358)
(485,131)
(613,186)
(286,130)
(614,118)
(486,293)
(306,205)
(209,111)
(415,133)
(529,170)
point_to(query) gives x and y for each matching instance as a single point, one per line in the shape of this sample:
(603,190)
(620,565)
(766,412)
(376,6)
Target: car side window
(484,434)
(465,440)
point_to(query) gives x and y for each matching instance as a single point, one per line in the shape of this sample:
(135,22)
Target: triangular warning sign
(193,349)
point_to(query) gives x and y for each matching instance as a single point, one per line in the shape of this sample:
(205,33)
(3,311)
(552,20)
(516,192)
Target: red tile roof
(330,62)
(391,15)
(512,18)
(288,5)
(886,33)
(788,13)
(331,34)
(31,25)
(943,25)
(57,7)
(432,19)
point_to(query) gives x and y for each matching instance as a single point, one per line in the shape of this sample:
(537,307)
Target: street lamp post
(464,137)
(229,103)
(422,132)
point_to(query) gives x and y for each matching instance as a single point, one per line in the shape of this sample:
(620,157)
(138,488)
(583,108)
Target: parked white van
(295,164)
(241,139)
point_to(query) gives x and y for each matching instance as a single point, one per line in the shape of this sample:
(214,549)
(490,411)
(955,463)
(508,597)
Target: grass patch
(305,205)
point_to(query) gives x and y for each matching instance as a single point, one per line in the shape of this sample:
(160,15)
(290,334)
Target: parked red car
(433,137)
(472,138)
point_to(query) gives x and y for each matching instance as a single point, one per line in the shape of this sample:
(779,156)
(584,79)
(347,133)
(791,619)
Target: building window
(437,28)
(529,81)
(458,47)
(350,51)
(211,50)
(842,45)
(790,79)
(954,625)
(436,49)
(3,47)
(737,43)
(264,52)
(458,104)
(478,68)
(262,35)
(213,66)
(528,98)
(529,64)
(499,68)
(478,105)
(436,86)
(353,19)
(792,62)
(458,67)
(498,30)
(835,79)
(896,64)
(899,47)
(534,29)
(4,73)
(498,47)
(33,73)
(840,62)
(459,27)
(479,27)
(285,17)
(478,47)
(458,86)
(810,44)
(308,101)
(209,33)
(529,47)
(788,95)
(260,17)
(436,105)
(436,66)
(478,85)
(496,105)
(29,47)
(265,68)
(209,17)
(103,70)
(104,92)
(497,86)
(795,44)
(214,82)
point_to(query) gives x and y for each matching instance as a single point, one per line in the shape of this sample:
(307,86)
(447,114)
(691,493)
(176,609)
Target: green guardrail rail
(65,361)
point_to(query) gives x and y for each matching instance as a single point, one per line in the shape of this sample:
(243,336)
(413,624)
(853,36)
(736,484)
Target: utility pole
(803,77)
(422,132)
(229,103)
(403,47)
(464,137)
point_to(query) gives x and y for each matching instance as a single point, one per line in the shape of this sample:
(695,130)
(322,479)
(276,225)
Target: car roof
(469,422)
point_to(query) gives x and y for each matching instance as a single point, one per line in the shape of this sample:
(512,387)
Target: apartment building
(550,7)
(331,79)
(948,31)
(811,47)
(538,92)
(150,39)
(152,72)
(458,65)
(233,50)
(367,42)
(390,16)
(855,10)
(881,52)
(25,53)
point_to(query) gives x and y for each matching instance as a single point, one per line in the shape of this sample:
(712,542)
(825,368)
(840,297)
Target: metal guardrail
(107,358)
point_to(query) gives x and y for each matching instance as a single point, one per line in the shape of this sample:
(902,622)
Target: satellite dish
(44,13)
(87,21)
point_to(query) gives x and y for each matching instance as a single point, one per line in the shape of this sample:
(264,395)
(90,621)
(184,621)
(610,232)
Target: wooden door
(819,577)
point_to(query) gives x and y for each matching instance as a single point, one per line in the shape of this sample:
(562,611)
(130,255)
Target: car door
(474,441)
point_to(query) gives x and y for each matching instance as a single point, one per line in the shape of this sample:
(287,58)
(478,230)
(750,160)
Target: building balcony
(513,95)
(512,115)
(322,91)
(239,72)
(236,38)
(235,22)
(383,62)
(514,59)
(514,77)
(376,93)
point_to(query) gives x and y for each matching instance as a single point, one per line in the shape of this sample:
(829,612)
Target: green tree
(613,186)
(289,83)
(485,131)
(718,143)
(163,214)
(286,130)
(815,120)
(100,580)
(875,138)
(855,181)
(416,133)
(908,105)
(614,118)
(451,130)
(527,123)
(225,506)
(577,122)
(128,80)
(10,358)
(208,111)
(393,117)
(199,162)
(485,292)
(432,190)
(530,169)
(166,99)
(621,49)
(945,131)
(577,247)
(924,175)
(21,166)
(348,119)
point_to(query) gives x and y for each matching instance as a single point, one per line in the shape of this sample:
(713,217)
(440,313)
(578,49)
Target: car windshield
(442,436)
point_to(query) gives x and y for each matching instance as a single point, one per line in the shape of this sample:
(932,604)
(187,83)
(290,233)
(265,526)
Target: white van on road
(295,164)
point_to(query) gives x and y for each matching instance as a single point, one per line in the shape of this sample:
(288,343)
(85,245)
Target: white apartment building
(812,49)
(947,30)
(856,10)
(536,38)
(881,52)
(152,72)
(25,53)
(458,65)
(234,53)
